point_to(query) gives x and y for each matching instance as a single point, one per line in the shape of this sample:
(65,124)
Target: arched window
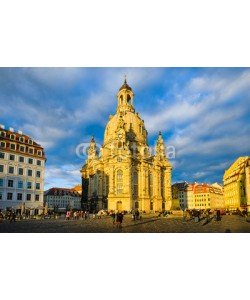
(150,183)
(141,128)
(121,99)
(107,184)
(162,184)
(135,183)
(119,175)
(119,182)
(128,99)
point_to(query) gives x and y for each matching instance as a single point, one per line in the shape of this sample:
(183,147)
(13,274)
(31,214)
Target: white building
(22,166)
(62,199)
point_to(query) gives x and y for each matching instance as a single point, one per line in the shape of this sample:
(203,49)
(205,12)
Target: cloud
(66,175)
(225,87)
(204,113)
(208,122)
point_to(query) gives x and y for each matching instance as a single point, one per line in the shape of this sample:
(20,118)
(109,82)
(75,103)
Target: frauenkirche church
(124,174)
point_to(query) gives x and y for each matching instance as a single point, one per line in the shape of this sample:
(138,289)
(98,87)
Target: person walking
(218,215)
(1,216)
(119,219)
(113,217)
(68,215)
(137,214)
(13,216)
(133,215)
(196,216)
(184,218)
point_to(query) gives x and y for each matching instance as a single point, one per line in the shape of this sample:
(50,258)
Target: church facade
(124,174)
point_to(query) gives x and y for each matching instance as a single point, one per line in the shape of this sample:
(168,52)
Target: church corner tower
(124,175)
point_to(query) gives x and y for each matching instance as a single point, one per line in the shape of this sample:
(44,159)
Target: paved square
(149,223)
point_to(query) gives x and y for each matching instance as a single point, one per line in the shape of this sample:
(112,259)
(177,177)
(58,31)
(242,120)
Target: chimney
(11,129)
(20,132)
(2,126)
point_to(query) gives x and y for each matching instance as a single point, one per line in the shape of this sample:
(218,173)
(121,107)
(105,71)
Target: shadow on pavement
(136,223)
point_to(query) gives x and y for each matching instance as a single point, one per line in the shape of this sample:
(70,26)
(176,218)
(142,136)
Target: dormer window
(3,144)
(3,134)
(12,146)
(21,139)
(30,142)
(12,136)
(31,151)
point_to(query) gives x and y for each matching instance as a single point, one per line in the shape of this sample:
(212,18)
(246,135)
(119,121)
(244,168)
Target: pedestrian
(218,215)
(13,216)
(137,214)
(184,215)
(113,217)
(1,216)
(119,219)
(196,216)
(206,217)
(68,215)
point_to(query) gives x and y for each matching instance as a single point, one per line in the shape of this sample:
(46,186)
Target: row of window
(19,197)
(64,198)
(63,202)
(13,137)
(21,171)
(21,148)
(20,184)
(21,159)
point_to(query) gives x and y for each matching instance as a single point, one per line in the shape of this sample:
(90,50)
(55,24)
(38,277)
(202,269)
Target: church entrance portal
(119,205)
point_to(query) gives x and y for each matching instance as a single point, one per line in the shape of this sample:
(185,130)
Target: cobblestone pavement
(151,224)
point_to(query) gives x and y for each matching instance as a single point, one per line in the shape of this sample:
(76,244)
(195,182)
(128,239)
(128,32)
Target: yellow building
(236,184)
(124,174)
(217,196)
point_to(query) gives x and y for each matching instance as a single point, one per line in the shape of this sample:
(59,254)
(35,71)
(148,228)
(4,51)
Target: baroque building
(197,196)
(124,174)
(237,184)
(22,168)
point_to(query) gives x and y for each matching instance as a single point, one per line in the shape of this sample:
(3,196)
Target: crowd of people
(117,216)
(10,215)
(205,215)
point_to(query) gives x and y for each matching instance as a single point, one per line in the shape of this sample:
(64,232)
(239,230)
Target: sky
(204,113)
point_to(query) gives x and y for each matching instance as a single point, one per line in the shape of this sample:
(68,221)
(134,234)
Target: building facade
(123,174)
(22,166)
(198,196)
(78,188)
(62,199)
(237,184)
(179,195)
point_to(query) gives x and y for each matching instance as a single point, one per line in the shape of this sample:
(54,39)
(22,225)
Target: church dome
(125,86)
(133,126)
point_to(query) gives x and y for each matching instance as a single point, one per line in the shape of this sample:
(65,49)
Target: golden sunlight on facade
(124,174)
(237,184)
(197,196)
